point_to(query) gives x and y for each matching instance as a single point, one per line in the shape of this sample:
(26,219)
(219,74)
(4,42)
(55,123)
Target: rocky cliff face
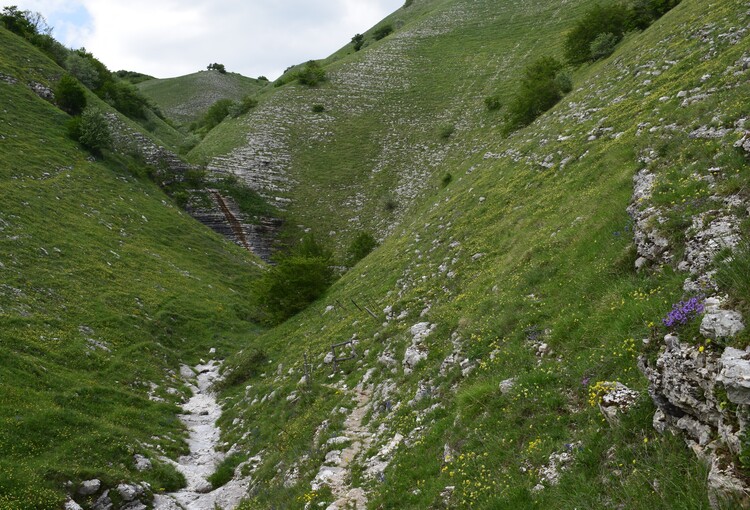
(701,390)
(222,216)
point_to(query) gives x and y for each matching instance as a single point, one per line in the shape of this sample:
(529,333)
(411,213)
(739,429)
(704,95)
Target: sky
(167,38)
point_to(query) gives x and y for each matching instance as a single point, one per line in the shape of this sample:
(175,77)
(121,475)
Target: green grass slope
(186,98)
(105,287)
(380,143)
(523,266)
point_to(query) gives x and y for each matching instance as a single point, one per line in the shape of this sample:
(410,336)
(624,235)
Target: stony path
(336,470)
(201,413)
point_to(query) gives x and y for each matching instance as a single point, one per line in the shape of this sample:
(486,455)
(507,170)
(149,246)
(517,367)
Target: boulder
(89,487)
(735,375)
(721,324)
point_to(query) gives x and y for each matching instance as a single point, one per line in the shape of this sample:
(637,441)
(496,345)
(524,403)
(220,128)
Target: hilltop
(186,98)
(554,317)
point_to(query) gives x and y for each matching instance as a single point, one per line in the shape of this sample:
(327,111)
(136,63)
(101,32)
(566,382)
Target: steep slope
(105,288)
(186,98)
(380,142)
(485,334)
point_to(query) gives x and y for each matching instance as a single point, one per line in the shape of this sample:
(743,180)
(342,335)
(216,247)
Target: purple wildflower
(683,311)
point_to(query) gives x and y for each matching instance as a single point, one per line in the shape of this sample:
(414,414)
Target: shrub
(17,21)
(91,130)
(213,117)
(610,19)
(446,131)
(542,86)
(83,69)
(446,180)
(217,67)
(69,95)
(318,108)
(312,74)
(225,471)
(383,32)
(299,278)
(492,103)
(360,247)
(124,97)
(645,12)
(603,46)
(408,3)
(390,204)
(242,107)
(358,40)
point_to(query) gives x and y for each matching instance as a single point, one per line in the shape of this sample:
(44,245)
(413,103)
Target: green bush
(603,46)
(312,74)
(358,40)
(318,108)
(124,97)
(83,69)
(492,103)
(644,12)
(70,95)
(91,130)
(611,19)
(242,107)
(446,131)
(542,86)
(446,180)
(298,278)
(360,247)
(382,32)
(225,471)
(17,21)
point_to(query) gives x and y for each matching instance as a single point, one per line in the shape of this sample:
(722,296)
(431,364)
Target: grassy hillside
(522,267)
(380,142)
(501,301)
(106,287)
(186,98)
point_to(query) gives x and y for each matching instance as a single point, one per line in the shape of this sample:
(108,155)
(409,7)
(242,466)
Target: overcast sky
(166,38)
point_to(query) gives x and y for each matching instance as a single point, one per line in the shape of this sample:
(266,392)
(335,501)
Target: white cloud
(170,38)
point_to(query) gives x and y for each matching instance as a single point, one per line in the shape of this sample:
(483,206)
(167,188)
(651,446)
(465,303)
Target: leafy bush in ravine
(70,95)
(542,86)
(299,277)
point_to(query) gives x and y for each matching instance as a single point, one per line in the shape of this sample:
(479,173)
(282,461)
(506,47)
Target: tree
(17,21)
(299,278)
(82,68)
(312,74)
(360,247)
(91,130)
(542,86)
(610,19)
(217,67)
(358,40)
(69,95)
(382,32)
